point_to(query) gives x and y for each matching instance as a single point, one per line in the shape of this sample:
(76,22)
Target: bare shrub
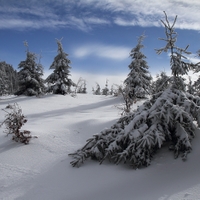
(14,120)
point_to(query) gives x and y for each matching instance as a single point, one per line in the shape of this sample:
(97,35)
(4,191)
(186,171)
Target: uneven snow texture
(41,170)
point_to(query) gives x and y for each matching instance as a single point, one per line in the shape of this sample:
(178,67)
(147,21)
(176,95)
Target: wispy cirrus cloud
(148,13)
(105,51)
(37,15)
(87,14)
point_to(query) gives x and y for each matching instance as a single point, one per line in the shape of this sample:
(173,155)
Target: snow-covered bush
(14,120)
(170,117)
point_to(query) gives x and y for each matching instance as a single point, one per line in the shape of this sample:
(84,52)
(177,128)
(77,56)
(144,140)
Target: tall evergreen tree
(138,81)
(171,116)
(30,76)
(59,80)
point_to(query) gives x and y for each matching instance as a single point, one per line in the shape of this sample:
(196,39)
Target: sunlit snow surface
(42,170)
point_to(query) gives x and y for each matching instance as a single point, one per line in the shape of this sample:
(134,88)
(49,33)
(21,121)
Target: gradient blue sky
(98,35)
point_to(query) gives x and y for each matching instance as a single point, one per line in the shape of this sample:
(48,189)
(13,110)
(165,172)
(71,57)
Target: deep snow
(42,170)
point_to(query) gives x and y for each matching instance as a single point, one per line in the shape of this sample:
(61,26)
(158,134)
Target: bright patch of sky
(97,35)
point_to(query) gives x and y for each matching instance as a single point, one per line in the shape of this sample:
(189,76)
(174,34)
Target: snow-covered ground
(42,170)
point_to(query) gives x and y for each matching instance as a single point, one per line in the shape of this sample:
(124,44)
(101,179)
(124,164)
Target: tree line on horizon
(28,80)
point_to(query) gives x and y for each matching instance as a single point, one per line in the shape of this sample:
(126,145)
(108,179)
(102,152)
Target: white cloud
(96,20)
(105,51)
(136,22)
(193,58)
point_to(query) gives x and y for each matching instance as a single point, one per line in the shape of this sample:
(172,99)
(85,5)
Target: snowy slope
(42,171)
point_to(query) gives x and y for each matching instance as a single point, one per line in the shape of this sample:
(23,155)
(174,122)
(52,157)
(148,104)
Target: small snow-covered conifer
(170,117)
(59,80)
(98,90)
(139,79)
(105,91)
(81,86)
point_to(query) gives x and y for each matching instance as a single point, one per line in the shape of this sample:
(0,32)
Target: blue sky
(98,35)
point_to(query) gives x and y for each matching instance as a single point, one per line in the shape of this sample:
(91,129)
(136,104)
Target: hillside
(42,170)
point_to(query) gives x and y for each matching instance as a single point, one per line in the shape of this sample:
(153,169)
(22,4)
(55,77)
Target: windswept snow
(41,170)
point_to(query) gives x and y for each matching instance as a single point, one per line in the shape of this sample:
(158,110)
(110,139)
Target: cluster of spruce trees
(29,79)
(170,117)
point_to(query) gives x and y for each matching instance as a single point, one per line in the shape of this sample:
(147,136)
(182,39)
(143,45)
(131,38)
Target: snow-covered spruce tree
(105,91)
(97,91)
(30,75)
(59,81)
(168,117)
(139,79)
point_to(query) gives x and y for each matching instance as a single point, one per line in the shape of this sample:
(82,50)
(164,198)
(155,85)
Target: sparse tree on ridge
(81,86)
(105,91)
(98,90)
(139,79)
(30,76)
(59,80)
(171,116)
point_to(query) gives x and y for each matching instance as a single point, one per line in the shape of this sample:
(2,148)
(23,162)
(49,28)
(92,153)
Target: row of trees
(28,81)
